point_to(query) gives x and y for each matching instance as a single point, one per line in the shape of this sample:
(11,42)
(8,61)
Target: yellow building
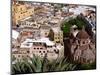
(21,11)
(58,37)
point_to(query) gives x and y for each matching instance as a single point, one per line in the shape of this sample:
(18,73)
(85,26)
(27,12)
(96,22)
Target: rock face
(82,49)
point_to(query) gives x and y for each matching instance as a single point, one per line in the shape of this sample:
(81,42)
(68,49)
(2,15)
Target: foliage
(37,65)
(13,58)
(86,66)
(77,21)
(66,27)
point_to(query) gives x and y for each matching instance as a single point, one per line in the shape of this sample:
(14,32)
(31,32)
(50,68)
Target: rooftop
(29,42)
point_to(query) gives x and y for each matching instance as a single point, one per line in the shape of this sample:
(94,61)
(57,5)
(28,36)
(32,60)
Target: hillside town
(47,30)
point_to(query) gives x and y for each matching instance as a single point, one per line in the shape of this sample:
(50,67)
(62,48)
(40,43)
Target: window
(34,24)
(78,41)
(18,55)
(83,42)
(43,51)
(54,50)
(41,48)
(34,48)
(58,37)
(57,41)
(39,51)
(27,51)
(37,48)
(27,44)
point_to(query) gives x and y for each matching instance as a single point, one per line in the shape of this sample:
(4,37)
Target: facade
(39,9)
(21,11)
(32,32)
(39,47)
(82,49)
(29,23)
(58,35)
(21,53)
(15,40)
(44,30)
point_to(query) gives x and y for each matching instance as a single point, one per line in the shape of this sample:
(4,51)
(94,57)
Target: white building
(29,23)
(43,47)
(15,36)
(44,30)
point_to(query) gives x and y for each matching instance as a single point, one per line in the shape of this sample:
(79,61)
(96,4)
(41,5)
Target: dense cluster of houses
(36,30)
